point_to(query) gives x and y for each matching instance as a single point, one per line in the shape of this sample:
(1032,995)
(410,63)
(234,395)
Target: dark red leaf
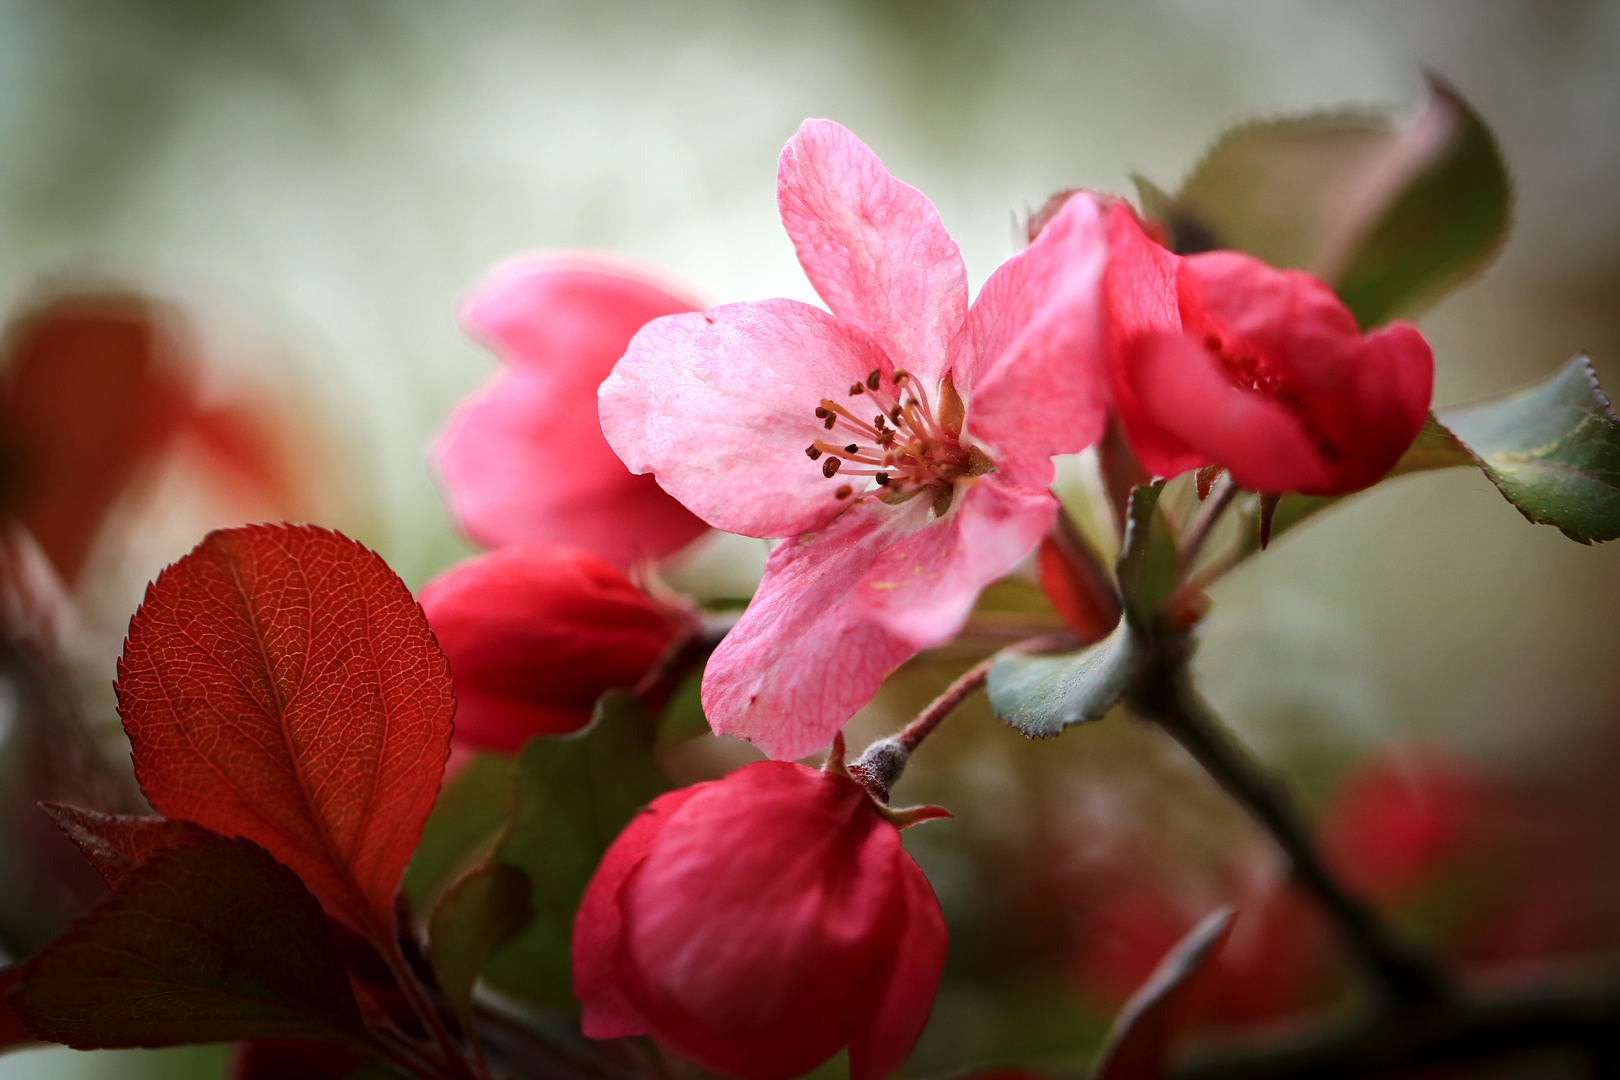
(207,942)
(117,843)
(12,1033)
(294,1059)
(279,683)
(1139,1044)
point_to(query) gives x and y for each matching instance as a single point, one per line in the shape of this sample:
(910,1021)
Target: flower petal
(1188,395)
(535,634)
(806,655)
(1365,398)
(605,1011)
(877,1051)
(1031,365)
(1139,288)
(922,587)
(874,248)
(755,957)
(524,458)
(720,407)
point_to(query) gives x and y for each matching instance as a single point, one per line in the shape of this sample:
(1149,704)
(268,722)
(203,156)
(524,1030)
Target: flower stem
(1163,693)
(881,764)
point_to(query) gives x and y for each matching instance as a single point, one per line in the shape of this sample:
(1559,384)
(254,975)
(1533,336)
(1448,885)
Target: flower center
(906,449)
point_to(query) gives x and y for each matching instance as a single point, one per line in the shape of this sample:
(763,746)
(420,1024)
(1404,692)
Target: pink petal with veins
(806,654)
(874,248)
(922,588)
(720,406)
(1031,364)
(524,459)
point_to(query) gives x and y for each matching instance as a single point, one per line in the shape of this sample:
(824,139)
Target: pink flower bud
(535,634)
(756,924)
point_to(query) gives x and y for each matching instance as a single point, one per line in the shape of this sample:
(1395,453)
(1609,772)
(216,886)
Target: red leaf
(12,1034)
(117,843)
(210,941)
(294,1059)
(279,683)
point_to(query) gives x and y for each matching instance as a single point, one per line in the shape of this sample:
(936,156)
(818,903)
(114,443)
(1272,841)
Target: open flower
(1220,359)
(535,633)
(757,924)
(901,444)
(524,459)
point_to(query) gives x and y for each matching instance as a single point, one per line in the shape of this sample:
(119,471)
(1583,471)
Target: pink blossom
(523,459)
(901,445)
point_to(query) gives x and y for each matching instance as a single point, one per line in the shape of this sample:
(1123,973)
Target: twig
(1589,1019)
(1163,694)
(881,764)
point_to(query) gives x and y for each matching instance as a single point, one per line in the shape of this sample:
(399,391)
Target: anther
(879,420)
(856,388)
(829,422)
(831,467)
(821,413)
(873,379)
(894,414)
(813,452)
(899,378)
(844,491)
(852,448)
(883,479)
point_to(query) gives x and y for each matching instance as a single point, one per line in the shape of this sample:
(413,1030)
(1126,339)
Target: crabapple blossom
(535,633)
(899,443)
(759,923)
(1219,359)
(523,459)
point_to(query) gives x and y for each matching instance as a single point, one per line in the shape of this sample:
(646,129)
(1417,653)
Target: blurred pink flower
(902,444)
(523,459)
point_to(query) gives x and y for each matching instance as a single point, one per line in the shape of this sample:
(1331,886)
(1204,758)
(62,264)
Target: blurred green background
(316,183)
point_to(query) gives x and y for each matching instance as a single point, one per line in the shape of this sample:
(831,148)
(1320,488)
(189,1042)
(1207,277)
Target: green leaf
(479,914)
(573,796)
(1390,216)
(1148,562)
(472,809)
(1041,695)
(213,941)
(1445,226)
(1554,451)
(1138,1046)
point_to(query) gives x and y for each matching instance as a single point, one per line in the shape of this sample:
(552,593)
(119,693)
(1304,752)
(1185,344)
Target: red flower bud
(1218,359)
(756,924)
(535,634)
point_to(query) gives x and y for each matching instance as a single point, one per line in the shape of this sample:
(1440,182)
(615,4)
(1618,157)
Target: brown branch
(1163,693)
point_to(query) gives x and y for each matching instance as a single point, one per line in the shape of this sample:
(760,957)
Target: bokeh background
(314,184)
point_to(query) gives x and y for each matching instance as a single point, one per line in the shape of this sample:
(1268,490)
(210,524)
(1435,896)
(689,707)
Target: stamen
(813,451)
(830,469)
(873,379)
(851,448)
(856,388)
(822,413)
(829,422)
(900,378)
(883,479)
